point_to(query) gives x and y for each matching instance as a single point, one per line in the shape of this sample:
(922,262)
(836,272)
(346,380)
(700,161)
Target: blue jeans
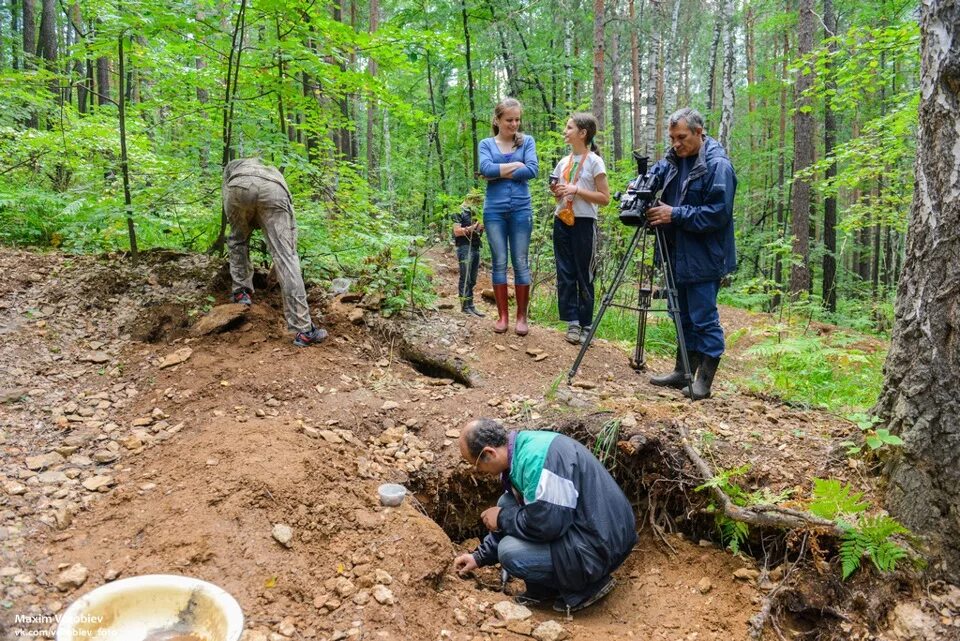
(700,318)
(525,560)
(511,228)
(469,259)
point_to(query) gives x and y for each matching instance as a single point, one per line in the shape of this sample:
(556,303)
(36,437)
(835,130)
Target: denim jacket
(507,194)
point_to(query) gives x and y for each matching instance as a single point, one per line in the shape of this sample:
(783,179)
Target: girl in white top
(580,186)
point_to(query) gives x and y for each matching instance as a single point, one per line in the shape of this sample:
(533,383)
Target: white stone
(283,534)
(383,595)
(73,577)
(549,631)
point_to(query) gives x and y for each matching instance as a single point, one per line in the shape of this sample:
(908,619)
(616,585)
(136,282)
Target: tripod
(645,295)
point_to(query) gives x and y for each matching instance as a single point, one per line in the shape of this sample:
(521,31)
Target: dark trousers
(700,318)
(573,251)
(469,259)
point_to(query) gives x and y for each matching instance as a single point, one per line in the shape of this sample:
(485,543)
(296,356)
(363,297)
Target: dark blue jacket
(569,500)
(700,236)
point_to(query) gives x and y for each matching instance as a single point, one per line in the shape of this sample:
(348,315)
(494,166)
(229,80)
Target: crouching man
(256,196)
(563,525)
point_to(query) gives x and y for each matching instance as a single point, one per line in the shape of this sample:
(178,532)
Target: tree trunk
(669,59)
(16,54)
(802,158)
(599,43)
(781,170)
(615,101)
(712,84)
(637,126)
(830,202)
(30,46)
(749,21)
(124,164)
(653,74)
(919,400)
(729,42)
(470,89)
(372,174)
(103,81)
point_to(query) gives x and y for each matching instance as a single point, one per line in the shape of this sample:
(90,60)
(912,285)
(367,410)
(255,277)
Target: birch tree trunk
(802,157)
(919,400)
(669,60)
(599,90)
(729,42)
(653,75)
(637,126)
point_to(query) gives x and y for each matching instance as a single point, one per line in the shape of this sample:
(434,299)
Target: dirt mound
(121,460)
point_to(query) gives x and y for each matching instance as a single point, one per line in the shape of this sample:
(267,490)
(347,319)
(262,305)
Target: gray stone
(98,483)
(105,456)
(52,478)
(175,358)
(95,357)
(220,319)
(43,461)
(910,623)
(510,611)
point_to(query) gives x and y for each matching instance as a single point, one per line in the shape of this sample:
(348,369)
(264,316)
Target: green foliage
(836,371)
(873,437)
(834,500)
(871,538)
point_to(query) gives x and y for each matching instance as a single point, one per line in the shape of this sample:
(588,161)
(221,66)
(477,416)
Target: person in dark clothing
(563,525)
(696,208)
(467,236)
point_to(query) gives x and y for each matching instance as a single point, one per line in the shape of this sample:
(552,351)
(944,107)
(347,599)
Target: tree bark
(781,171)
(919,400)
(712,84)
(599,44)
(470,89)
(635,77)
(16,54)
(372,174)
(615,101)
(103,81)
(802,157)
(30,46)
(669,59)
(749,21)
(653,75)
(124,164)
(729,42)
(830,202)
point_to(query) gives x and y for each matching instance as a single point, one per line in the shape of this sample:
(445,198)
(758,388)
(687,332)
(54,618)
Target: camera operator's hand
(660,214)
(464,563)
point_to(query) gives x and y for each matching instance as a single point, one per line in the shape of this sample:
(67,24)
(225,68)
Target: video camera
(641,194)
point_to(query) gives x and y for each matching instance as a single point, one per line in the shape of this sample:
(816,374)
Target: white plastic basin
(154,607)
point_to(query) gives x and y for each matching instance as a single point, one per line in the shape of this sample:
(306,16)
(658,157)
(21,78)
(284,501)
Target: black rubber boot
(704,381)
(676,379)
(468,308)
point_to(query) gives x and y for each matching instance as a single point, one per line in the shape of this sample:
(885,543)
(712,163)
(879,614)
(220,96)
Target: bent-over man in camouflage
(255,195)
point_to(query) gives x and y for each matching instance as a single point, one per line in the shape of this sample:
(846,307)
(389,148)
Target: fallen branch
(764,516)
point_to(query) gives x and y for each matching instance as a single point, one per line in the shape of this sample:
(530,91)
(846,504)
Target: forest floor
(132,444)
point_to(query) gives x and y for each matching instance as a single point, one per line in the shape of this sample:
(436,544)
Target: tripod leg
(607,299)
(673,304)
(643,305)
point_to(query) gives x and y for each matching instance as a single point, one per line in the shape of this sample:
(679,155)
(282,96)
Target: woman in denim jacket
(507,161)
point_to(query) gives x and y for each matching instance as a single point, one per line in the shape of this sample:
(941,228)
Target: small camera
(554,179)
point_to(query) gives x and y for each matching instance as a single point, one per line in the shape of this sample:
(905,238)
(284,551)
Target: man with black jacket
(696,210)
(563,525)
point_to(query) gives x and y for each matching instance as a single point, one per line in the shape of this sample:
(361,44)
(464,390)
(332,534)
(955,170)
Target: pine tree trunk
(919,400)
(802,158)
(729,42)
(830,202)
(599,43)
(16,53)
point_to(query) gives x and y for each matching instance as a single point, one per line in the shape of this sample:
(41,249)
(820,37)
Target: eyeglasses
(479,456)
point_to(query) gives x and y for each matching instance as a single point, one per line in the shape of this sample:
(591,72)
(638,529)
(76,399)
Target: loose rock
(383,595)
(283,534)
(177,357)
(549,631)
(72,577)
(510,611)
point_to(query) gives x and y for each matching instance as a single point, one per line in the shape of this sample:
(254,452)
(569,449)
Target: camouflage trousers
(252,203)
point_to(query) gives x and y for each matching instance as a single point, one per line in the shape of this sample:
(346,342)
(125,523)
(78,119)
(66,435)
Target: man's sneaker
(315,336)
(573,334)
(242,296)
(584,332)
(607,588)
(535,595)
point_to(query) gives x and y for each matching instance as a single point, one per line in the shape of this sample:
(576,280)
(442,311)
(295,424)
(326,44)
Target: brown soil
(251,431)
